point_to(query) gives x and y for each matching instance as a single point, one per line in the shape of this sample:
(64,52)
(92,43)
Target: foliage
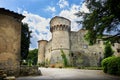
(111,65)
(47,62)
(41,64)
(90,68)
(103,17)
(25,40)
(65,61)
(32,57)
(105,63)
(108,50)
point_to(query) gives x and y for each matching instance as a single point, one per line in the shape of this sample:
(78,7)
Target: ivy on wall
(64,58)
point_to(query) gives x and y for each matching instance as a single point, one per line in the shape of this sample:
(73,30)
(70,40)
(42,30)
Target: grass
(90,68)
(87,68)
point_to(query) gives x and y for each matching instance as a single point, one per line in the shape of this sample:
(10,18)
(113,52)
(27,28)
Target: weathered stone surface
(76,48)
(10,38)
(29,70)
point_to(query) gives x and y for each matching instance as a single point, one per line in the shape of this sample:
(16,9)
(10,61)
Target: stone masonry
(77,50)
(10,40)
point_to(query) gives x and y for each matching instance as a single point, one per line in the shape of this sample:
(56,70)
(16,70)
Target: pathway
(70,74)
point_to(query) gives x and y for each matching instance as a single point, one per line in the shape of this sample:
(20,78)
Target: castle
(77,50)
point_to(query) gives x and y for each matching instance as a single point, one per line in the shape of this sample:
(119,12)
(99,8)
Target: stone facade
(77,50)
(10,40)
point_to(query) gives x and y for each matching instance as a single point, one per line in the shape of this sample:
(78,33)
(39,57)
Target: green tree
(25,40)
(32,57)
(104,17)
(108,50)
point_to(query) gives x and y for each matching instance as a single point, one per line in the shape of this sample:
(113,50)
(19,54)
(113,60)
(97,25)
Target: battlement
(59,23)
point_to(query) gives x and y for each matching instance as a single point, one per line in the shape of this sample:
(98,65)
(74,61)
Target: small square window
(118,50)
(85,46)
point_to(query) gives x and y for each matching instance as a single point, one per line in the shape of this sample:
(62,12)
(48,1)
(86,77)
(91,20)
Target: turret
(41,51)
(60,28)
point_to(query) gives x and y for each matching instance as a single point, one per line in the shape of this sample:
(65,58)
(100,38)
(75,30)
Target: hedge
(111,65)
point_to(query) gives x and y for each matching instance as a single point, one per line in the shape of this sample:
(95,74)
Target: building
(77,50)
(10,41)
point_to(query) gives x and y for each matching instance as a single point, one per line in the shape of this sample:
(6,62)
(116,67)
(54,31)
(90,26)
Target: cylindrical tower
(60,28)
(41,51)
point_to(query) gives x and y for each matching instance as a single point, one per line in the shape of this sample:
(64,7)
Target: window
(85,46)
(118,50)
(98,41)
(99,52)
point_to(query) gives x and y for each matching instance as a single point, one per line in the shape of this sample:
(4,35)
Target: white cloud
(70,14)
(84,8)
(49,8)
(63,3)
(19,10)
(39,27)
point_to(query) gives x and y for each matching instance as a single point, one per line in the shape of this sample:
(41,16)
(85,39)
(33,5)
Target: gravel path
(70,74)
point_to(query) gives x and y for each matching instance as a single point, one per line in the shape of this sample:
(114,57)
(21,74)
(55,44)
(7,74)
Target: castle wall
(60,40)
(81,48)
(60,28)
(48,50)
(116,49)
(41,51)
(73,44)
(10,40)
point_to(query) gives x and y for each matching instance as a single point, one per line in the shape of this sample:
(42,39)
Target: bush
(114,66)
(105,63)
(111,65)
(108,50)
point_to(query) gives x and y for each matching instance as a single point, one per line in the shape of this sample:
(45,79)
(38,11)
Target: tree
(104,17)
(32,57)
(108,50)
(25,40)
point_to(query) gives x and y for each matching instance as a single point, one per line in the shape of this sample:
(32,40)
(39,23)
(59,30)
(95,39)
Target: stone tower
(41,51)
(60,28)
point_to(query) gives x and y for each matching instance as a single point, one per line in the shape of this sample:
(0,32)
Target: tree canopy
(103,17)
(25,40)
(32,57)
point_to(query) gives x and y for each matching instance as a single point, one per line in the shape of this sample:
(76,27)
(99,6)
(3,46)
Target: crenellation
(73,44)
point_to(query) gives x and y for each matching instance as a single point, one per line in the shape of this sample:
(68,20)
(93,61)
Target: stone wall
(84,54)
(41,51)
(10,37)
(60,28)
(48,50)
(10,41)
(76,48)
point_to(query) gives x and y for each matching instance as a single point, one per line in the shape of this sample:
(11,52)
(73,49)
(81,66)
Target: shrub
(114,66)
(111,65)
(108,50)
(105,63)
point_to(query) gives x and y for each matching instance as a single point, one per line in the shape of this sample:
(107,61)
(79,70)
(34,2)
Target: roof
(11,13)
(59,17)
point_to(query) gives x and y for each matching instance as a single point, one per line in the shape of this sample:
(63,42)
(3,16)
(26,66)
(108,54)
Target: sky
(39,13)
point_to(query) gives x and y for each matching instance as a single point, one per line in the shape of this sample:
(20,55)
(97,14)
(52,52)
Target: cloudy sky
(39,12)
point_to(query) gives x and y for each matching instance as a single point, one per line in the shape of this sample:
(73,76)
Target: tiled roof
(11,13)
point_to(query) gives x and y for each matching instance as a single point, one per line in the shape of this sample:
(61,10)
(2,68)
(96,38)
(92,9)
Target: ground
(61,74)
